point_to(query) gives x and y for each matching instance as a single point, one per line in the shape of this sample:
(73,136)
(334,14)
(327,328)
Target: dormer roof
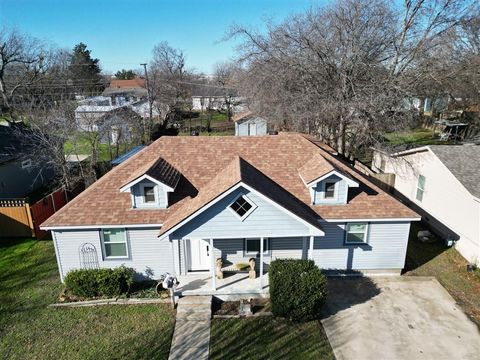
(319,168)
(158,171)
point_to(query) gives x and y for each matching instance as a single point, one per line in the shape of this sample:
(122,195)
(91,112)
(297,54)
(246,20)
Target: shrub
(99,282)
(298,289)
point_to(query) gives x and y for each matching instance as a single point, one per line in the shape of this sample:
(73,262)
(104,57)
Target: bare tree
(21,63)
(167,74)
(345,71)
(224,76)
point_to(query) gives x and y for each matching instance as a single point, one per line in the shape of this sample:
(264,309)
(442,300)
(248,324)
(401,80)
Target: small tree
(125,74)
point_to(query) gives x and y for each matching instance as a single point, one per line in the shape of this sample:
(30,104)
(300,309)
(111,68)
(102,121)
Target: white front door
(198,255)
(252,129)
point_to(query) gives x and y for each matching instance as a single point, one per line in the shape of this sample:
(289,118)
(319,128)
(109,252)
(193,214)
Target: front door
(198,255)
(252,129)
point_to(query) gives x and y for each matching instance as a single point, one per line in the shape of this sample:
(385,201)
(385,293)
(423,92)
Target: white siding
(148,255)
(445,198)
(241,127)
(386,247)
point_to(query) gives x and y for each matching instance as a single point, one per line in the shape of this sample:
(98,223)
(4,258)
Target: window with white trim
(114,244)
(242,207)
(252,246)
(149,194)
(26,163)
(420,188)
(330,190)
(356,233)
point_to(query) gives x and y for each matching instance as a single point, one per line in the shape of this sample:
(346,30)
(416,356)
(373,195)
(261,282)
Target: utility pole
(150,104)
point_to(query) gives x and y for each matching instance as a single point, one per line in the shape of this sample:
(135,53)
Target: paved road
(397,318)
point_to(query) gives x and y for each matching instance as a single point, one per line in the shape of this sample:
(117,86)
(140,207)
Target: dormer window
(330,190)
(242,207)
(326,183)
(149,188)
(149,194)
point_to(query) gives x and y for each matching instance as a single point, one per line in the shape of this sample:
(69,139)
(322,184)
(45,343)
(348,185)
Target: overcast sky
(122,33)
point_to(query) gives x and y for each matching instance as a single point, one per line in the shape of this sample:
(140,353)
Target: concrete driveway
(397,318)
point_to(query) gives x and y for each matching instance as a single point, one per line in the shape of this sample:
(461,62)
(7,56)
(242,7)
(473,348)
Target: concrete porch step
(194,316)
(192,300)
(194,308)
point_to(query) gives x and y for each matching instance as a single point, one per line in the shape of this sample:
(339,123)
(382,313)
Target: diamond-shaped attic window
(242,207)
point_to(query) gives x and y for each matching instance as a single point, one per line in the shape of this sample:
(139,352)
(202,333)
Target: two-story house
(442,181)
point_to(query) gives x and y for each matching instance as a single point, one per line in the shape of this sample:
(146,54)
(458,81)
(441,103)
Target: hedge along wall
(298,289)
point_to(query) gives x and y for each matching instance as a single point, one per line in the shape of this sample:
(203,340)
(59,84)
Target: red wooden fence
(45,208)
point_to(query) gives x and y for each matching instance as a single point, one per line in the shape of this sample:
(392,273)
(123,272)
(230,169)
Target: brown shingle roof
(314,168)
(200,159)
(127,84)
(238,171)
(241,115)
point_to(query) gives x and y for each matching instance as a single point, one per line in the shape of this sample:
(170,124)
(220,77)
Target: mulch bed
(222,308)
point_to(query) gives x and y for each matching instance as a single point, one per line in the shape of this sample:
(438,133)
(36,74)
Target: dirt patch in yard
(220,307)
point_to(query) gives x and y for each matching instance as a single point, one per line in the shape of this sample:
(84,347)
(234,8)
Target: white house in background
(248,124)
(444,182)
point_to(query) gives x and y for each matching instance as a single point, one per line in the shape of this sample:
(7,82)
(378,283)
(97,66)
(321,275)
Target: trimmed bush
(298,289)
(90,283)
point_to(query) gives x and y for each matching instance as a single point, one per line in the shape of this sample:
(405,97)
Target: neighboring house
(183,202)
(248,124)
(443,181)
(124,92)
(21,170)
(206,97)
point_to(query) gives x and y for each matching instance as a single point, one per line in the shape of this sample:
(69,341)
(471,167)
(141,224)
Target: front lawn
(29,281)
(268,338)
(449,267)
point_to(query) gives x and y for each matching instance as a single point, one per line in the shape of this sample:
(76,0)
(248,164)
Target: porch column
(310,251)
(212,260)
(261,263)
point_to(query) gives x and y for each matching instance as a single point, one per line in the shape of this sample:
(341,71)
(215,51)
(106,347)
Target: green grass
(418,136)
(449,267)
(83,147)
(29,281)
(268,338)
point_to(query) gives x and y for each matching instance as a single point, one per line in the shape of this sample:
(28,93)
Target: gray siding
(138,195)
(232,251)
(241,127)
(18,182)
(149,255)
(341,191)
(219,221)
(386,248)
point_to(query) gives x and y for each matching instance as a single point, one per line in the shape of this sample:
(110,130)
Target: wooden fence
(19,219)
(15,218)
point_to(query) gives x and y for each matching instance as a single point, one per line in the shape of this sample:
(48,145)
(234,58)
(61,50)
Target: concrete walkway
(191,337)
(397,318)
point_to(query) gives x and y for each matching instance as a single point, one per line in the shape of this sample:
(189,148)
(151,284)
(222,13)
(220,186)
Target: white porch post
(310,252)
(261,263)
(212,260)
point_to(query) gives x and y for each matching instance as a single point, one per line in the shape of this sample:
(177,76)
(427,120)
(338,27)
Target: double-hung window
(356,233)
(252,246)
(114,244)
(420,187)
(329,190)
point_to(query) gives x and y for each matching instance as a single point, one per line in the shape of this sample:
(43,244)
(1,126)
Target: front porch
(232,284)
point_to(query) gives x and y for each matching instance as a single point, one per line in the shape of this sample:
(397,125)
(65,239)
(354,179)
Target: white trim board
(351,182)
(96,227)
(371,220)
(126,187)
(313,230)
